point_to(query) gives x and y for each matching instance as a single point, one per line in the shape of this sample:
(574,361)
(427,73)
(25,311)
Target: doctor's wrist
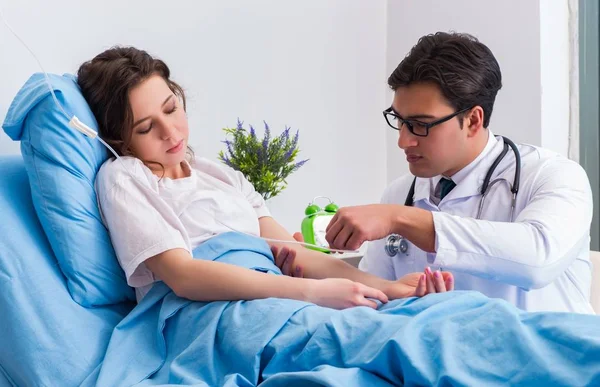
(416,225)
(399,221)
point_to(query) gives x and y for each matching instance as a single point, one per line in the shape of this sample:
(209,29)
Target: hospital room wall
(317,66)
(530,40)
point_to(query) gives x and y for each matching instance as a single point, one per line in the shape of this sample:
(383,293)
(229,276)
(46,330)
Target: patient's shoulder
(121,172)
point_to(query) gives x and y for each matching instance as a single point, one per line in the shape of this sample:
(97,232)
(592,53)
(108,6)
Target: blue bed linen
(46,339)
(4,381)
(458,338)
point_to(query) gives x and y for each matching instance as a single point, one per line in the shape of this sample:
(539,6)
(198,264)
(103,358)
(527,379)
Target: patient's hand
(420,284)
(285,260)
(341,293)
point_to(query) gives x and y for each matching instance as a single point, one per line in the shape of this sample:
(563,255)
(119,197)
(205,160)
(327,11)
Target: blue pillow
(62,164)
(47,339)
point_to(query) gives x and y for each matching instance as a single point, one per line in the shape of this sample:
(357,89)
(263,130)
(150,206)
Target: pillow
(62,164)
(47,338)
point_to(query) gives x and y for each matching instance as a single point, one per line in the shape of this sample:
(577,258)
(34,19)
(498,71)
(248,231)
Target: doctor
(526,242)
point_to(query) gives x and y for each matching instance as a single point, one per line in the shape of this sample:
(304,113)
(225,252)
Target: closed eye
(173,108)
(170,111)
(146,130)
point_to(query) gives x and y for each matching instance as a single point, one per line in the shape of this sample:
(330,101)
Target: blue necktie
(446,185)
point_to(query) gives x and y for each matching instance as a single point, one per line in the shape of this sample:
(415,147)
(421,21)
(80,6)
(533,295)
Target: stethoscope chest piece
(403,246)
(394,244)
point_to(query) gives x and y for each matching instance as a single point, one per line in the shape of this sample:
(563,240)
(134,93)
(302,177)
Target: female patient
(176,202)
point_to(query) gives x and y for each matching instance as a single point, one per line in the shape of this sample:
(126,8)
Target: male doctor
(531,249)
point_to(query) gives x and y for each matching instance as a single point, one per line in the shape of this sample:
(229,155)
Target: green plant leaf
(266,163)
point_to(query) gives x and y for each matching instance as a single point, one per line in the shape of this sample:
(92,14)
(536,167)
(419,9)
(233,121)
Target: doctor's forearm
(417,226)
(527,259)
(523,254)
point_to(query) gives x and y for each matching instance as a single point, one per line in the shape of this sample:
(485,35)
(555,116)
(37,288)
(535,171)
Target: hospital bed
(41,325)
(55,323)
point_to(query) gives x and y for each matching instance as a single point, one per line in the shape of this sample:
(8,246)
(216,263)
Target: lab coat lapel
(472,183)
(422,192)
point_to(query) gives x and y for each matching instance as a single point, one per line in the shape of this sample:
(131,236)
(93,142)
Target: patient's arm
(201,280)
(318,265)
(315,264)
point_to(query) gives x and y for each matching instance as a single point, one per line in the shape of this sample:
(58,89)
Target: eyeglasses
(416,127)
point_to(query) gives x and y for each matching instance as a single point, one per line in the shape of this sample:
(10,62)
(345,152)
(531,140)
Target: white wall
(320,66)
(530,41)
(314,65)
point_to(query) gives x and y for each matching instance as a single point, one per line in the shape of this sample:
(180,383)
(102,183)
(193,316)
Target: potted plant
(266,162)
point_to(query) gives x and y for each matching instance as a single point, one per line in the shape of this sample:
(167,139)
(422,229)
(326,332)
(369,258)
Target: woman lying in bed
(168,203)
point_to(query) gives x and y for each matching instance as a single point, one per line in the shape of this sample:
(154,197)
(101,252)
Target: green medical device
(315,223)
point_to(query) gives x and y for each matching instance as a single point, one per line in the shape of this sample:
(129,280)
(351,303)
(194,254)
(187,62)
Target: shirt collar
(425,188)
(460,175)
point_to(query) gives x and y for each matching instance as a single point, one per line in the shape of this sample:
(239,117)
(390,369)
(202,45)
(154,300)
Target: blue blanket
(458,338)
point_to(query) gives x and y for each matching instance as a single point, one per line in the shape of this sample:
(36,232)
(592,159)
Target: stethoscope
(396,243)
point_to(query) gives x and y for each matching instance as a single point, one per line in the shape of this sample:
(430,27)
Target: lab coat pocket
(414,260)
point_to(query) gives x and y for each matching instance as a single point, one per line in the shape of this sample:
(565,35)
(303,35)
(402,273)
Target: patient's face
(160,132)
(440,152)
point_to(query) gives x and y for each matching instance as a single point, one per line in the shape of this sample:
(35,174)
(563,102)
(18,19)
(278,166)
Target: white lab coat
(539,262)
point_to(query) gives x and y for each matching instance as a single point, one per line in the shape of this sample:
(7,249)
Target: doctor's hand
(351,226)
(420,284)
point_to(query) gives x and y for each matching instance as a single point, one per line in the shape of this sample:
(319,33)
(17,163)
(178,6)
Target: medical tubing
(38,62)
(311,245)
(286,241)
(75,123)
